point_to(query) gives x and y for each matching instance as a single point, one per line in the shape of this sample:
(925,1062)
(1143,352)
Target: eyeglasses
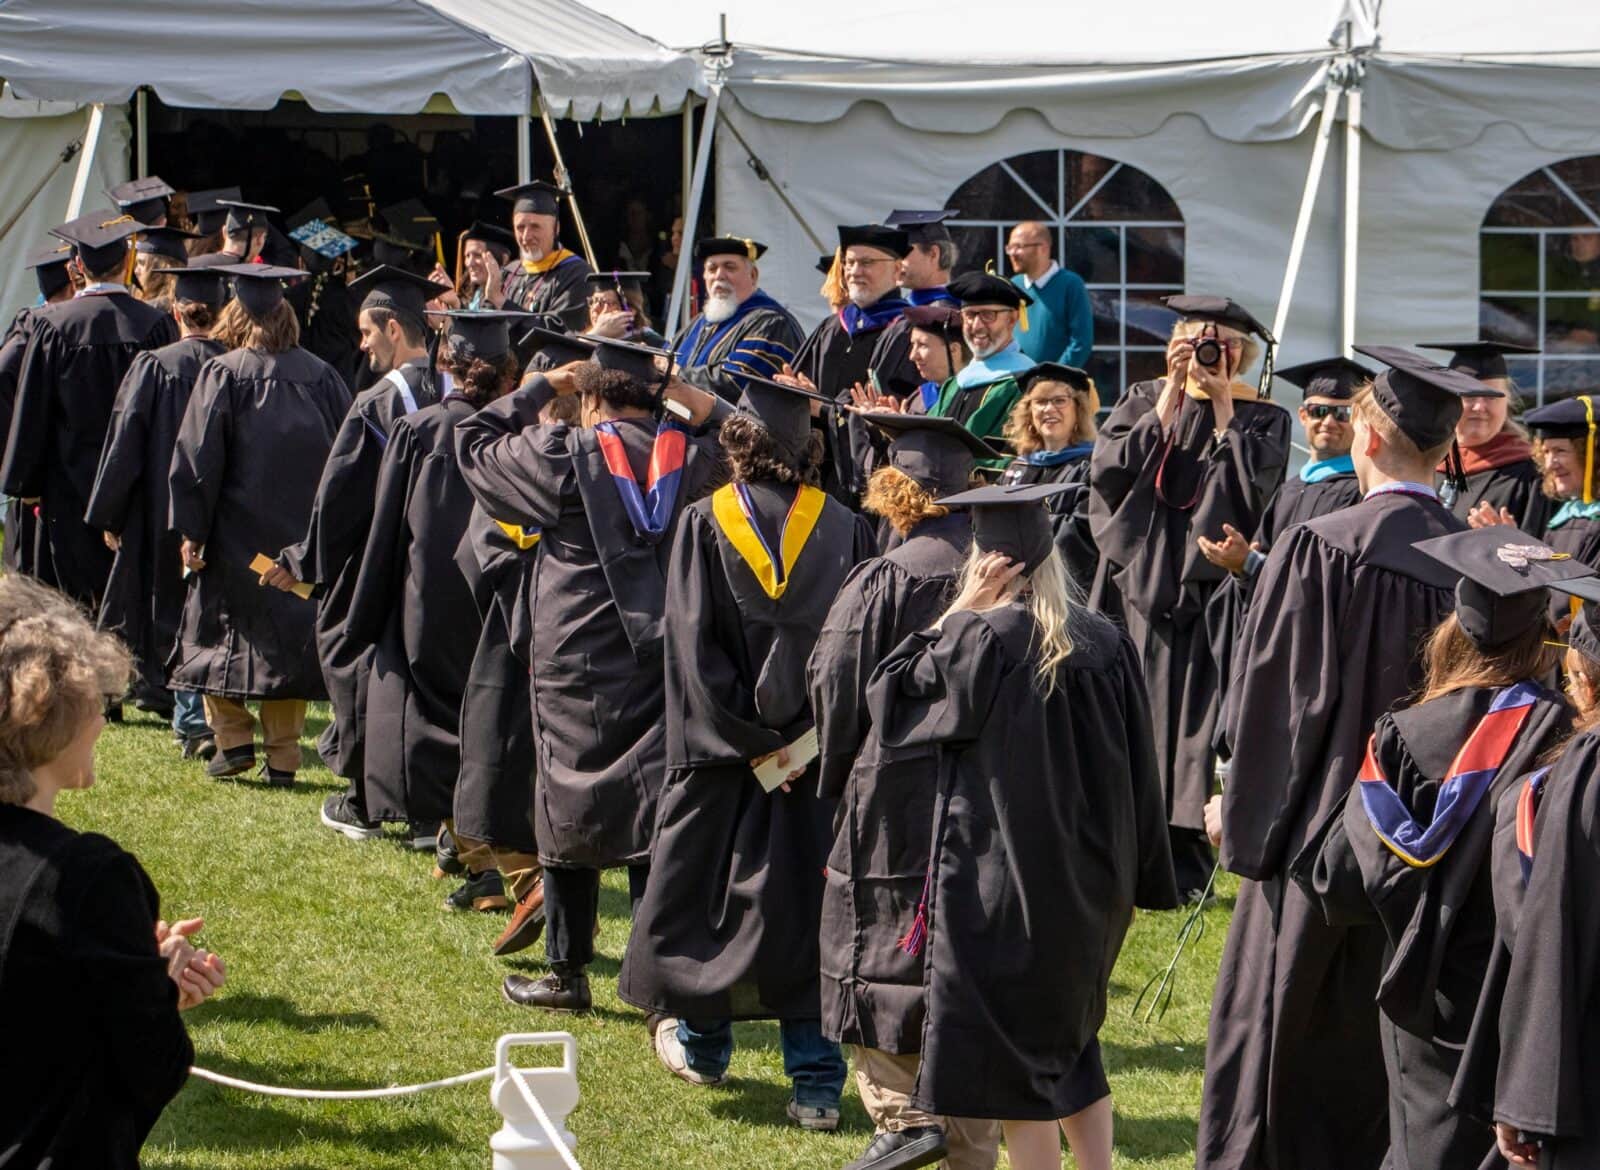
(1321,411)
(985,316)
(1052,403)
(862,262)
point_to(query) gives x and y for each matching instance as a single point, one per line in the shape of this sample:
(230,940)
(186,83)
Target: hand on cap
(789,378)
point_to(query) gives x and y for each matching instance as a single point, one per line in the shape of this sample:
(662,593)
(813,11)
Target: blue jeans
(189,714)
(812,1062)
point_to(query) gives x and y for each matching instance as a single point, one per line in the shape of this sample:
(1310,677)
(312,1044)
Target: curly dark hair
(753,456)
(478,380)
(618,390)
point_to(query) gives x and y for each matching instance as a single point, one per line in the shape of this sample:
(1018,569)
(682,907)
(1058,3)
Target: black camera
(1208,352)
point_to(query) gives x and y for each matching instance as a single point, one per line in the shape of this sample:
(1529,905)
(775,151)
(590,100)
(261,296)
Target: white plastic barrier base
(535,1103)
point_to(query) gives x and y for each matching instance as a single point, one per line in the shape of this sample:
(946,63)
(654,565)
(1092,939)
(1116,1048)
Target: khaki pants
(885,1081)
(282,721)
(519,870)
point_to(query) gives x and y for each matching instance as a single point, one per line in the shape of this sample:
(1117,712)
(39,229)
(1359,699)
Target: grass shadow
(765,1103)
(251,1008)
(1158,1057)
(1156,1137)
(255,1123)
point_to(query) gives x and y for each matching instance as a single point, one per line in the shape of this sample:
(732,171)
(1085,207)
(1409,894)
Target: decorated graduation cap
(1422,397)
(892,240)
(482,333)
(244,217)
(985,288)
(209,286)
(751,250)
(784,410)
(144,199)
(1335,377)
(99,238)
(397,289)
(1572,418)
(315,229)
(942,320)
(922,227)
(50,269)
(165,241)
(1009,519)
(258,287)
(493,235)
(1226,311)
(208,209)
(1504,575)
(1481,359)
(936,452)
(537,197)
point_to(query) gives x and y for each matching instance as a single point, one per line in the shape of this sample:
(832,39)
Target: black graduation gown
(21,526)
(1021,946)
(1438,920)
(596,596)
(494,791)
(727,928)
(1069,515)
(414,607)
(1148,549)
(770,333)
(560,296)
(144,593)
(258,429)
(329,555)
(1293,1068)
(1518,487)
(1579,538)
(328,323)
(871,988)
(76,356)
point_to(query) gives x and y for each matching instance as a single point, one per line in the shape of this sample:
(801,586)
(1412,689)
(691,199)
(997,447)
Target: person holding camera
(1179,458)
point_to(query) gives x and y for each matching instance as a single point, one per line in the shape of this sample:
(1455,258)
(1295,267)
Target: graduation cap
(396,289)
(165,241)
(1072,376)
(1423,398)
(1583,635)
(537,197)
(751,250)
(242,216)
(213,260)
(1224,311)
(313,228)
(99,237)
(258,287)
(631,358)
(145,199)
(875,235)
(1481,359)
(410,224)
(494,236)
(209,286)
(784,410)
(279,249)
(50,269)
(922,227)
(944,320)
(1504,575)
(482,333)
(208,210)
(936,452)
(984,288)
(1008,518)
(560,349)
(1335,377)
(825,263)
(619,281)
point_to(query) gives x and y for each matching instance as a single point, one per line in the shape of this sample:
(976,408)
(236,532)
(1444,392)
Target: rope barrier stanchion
(206,1074)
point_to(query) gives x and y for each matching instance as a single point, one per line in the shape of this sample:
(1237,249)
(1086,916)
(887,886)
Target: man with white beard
(740,329)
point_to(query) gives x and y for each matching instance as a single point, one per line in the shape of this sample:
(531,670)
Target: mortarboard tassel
(1456,471)
(912,941)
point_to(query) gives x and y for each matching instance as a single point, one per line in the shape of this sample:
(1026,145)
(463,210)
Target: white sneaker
(813,1116)
(669,1051)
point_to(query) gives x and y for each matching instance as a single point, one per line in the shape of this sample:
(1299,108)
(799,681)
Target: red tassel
(914,938)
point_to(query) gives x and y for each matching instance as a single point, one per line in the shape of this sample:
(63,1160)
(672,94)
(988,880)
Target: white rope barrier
(215,1078)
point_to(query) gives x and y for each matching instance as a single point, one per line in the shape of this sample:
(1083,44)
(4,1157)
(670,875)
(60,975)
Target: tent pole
(1352,215)
(677,309)
(91,144)
(1308,201)
(687,179)
(141,122)
(564,181)
(524,157)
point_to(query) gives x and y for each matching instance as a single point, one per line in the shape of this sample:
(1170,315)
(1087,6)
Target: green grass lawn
(347,972)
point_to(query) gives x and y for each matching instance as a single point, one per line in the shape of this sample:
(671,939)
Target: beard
(720,304)
(863,298)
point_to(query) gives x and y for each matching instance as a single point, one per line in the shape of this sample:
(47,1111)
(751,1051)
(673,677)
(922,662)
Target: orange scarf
(1503,450)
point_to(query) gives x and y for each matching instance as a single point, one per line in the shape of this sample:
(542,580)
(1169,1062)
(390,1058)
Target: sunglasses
(1321,411)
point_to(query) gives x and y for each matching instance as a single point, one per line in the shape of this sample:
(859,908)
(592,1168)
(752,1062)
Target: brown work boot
(527,922)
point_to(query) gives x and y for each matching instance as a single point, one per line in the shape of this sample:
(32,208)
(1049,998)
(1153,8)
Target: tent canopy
(351,56)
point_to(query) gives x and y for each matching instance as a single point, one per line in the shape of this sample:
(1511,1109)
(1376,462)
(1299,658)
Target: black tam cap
(1481,359)
(259,287)
(942,320)
(1008,518)
(208,209)
(494,236)
(243,217)
(922,227)
(1335,377)
(537,197)
(751,250)
(99,237)
(984,288)
(1504,575)
(1571,418)
(208,286)
(876,235)
(482,333)
(144,199)
(936,452)
(396,289)
(825,263)
(1057,372)
(1219,311)
(1423,399)
(1584,633)
(165,241)
(50,269)
(785,411)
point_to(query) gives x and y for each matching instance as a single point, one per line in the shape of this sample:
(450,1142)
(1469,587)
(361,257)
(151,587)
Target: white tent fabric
(356,56)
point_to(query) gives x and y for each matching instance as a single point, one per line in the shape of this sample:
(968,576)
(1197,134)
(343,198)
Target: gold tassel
(1022,316)
(1588,455)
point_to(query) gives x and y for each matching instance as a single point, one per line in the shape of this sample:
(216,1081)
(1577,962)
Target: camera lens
(1207,352)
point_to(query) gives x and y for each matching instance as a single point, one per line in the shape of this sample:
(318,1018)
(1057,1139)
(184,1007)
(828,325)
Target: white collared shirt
(1029,283)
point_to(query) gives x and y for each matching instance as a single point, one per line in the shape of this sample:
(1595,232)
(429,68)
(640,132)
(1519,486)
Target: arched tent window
(1113,225)
(1540,277)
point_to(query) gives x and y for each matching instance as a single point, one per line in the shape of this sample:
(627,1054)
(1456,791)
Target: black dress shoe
(276,778)
(562,990)
(920,1146)
(231,762)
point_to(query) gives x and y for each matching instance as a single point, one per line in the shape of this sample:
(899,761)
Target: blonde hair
(154,287)
(1364,408)
(277,332)
(1048,595)
(1250,350)
(1453,662)
(1024,436)
(900,500)
(56,672)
